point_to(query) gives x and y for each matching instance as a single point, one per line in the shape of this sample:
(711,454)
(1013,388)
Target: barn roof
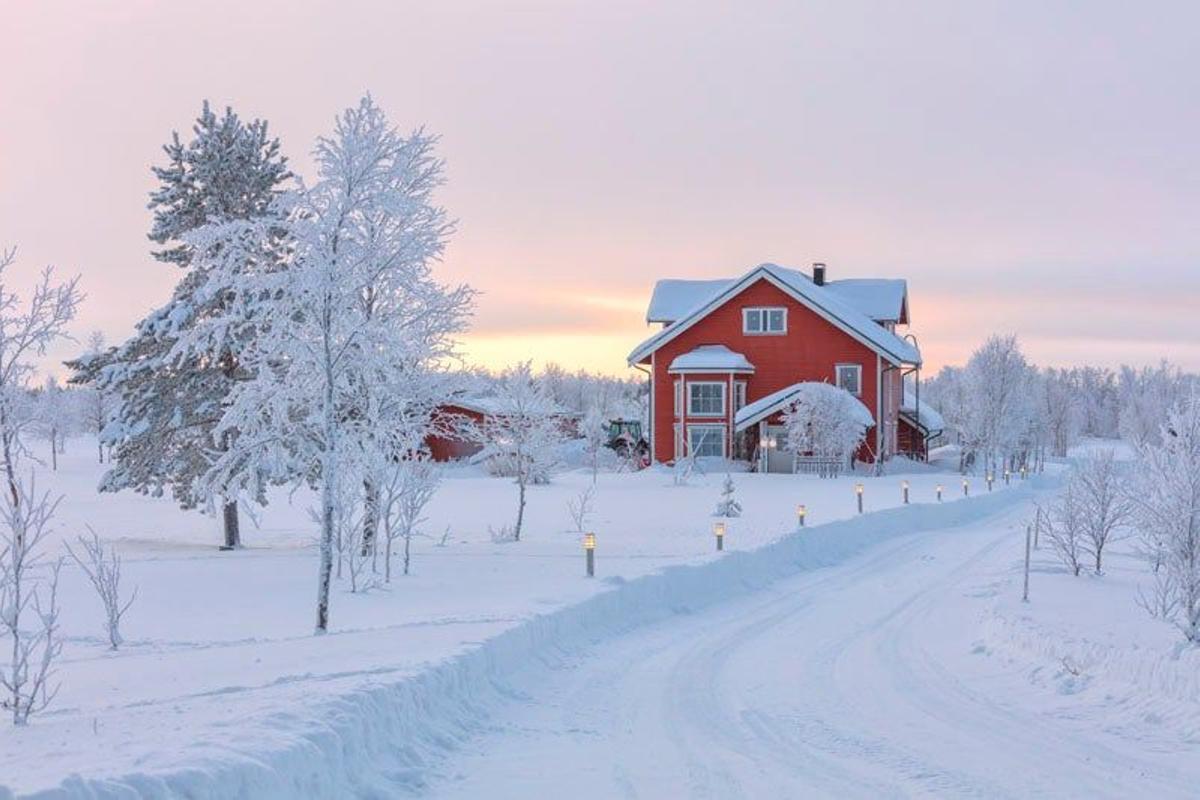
(831,305)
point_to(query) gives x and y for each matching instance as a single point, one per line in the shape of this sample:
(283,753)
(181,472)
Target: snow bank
(383,739)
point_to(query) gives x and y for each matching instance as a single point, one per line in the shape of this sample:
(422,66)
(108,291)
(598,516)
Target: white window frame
(678,397)
(691,412)
(678,436)
(715,428)
(739,396)
(837,377)
(763,314)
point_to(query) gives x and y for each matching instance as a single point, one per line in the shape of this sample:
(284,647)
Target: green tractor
(625,438)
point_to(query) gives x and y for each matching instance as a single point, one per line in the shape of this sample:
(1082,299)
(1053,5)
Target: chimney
(819,273)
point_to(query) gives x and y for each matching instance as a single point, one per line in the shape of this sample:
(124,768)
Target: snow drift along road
(382,740)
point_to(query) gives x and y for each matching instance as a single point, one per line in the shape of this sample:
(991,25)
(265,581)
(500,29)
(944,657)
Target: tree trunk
(54,450)
(233,532)
(99,452)
(370,515)
(520,509)
(325,572)
(407,551)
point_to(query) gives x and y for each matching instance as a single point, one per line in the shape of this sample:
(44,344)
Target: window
(678,397)
(764,321)
(849,377)
(678,440)
(706,399)
(706,441)
(739,395)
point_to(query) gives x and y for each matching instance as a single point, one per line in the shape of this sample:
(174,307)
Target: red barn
(729,350)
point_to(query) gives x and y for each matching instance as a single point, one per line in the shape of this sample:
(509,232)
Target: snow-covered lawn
(220,646)
(221,667)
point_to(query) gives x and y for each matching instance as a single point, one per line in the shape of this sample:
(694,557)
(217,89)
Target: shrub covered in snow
(827,422)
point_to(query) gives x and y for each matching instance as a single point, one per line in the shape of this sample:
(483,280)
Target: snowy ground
(220,645)
(909,665)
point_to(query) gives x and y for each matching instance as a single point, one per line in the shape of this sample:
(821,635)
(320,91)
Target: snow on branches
(825,422)
(1166,499)
(522,433)
(351,338)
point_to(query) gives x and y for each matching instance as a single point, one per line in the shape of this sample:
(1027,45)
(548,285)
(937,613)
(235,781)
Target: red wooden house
(729,351)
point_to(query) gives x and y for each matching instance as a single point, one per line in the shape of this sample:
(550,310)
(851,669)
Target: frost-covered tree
(55,417)
(523,434)
(1167,502)
(1060,409)
(594,428)
(350,340)
(1064,528)
(28,596)
(96,406)
(827,422)
(411,485)
(1102,503)
(102,566)
(1145,397)
(1000,412)
(166,406)
(728,506)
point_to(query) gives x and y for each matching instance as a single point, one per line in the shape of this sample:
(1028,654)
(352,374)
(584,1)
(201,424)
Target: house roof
(711,358)
(828,304)
(930,419)
(881,299)
(490,405)
(764,407)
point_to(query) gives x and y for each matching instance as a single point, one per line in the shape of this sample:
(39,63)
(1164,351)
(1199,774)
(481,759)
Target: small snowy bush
(728,506)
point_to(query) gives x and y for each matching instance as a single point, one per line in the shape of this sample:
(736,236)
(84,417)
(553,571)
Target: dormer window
(764,321)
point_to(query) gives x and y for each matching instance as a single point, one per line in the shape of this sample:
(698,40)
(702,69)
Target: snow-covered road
(865,679)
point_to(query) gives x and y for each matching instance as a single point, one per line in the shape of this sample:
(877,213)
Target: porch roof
(711,358)
(764,407)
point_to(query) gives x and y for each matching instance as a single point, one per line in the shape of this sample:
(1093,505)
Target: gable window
(706,399)
(706,441)
(764,321)
(849,377)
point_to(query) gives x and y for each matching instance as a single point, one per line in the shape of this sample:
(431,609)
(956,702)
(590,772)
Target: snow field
(223,691)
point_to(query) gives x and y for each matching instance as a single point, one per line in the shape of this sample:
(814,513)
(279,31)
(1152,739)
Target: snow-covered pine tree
(728,505)
(347,361)
(166,407)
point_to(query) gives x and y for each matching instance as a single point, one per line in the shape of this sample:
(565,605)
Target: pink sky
(1029,167)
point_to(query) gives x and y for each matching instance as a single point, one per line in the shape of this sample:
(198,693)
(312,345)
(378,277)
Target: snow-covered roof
(881,299)
(828,304)
(764,407)
(495,406)
(930,419)
(672,297)
(711,358)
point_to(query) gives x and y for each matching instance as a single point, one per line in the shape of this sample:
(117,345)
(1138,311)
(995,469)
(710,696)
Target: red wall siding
(447,448)
(807,352)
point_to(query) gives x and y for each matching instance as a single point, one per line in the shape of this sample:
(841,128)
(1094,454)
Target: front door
(778,458)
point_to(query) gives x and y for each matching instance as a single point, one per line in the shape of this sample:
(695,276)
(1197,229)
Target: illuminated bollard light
(1024,472)
(904,485)
(801,512)
(989,481)
(858,490)
(719,532)
(939,492)
(1007,475)
(589,547)
(966,488)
